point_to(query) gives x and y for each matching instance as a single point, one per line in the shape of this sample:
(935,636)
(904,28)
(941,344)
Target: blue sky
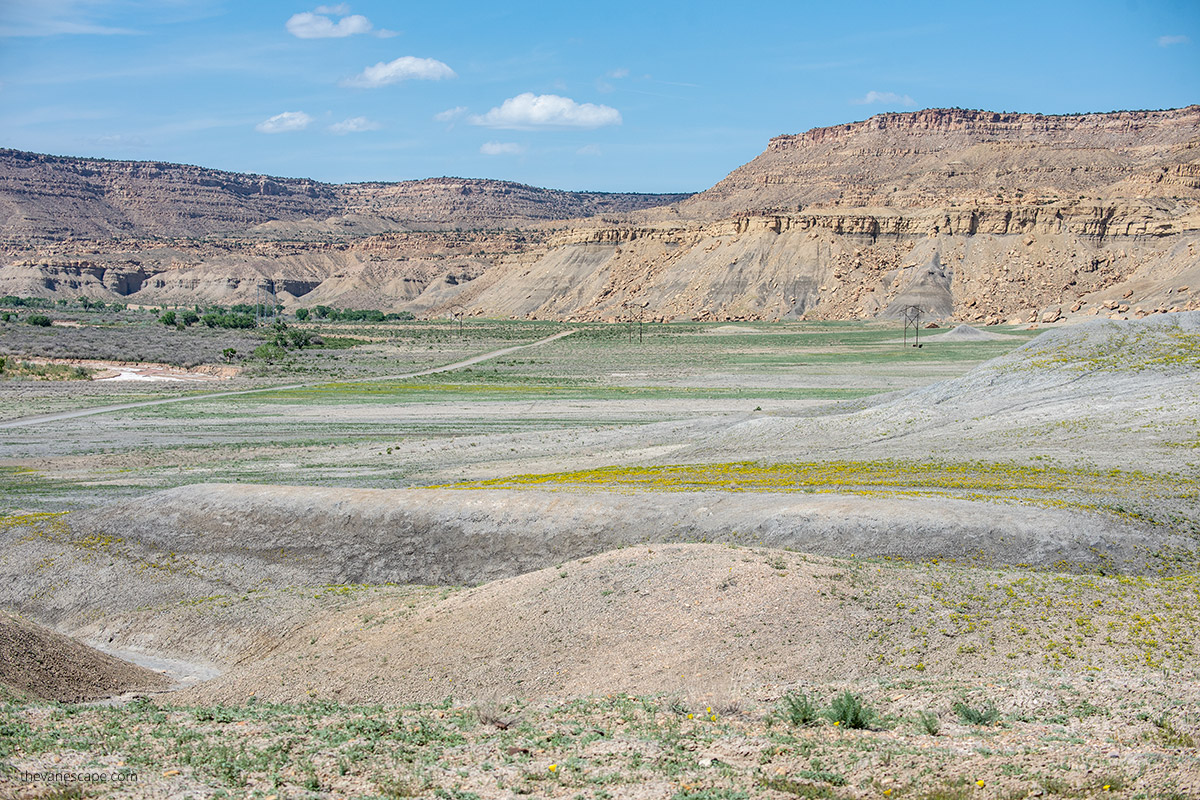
(620,96)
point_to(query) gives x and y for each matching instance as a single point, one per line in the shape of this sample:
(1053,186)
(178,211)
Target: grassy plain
(974,683)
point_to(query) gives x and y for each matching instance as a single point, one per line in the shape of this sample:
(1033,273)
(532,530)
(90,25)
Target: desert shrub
(785,785)
(986,715)
(928,722)
(848,711)
(12,301)
(302,314)
(213,319)
(798,709)
(269,352)
(168,319)
(710,793)
(187,318)
(41,320)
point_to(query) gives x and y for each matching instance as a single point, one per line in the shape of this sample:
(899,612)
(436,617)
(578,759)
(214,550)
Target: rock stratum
(974,216)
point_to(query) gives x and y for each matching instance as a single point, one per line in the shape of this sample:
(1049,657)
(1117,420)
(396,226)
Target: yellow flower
(887,792)
(553,767)
(839,722)
(714,717)
(980,784)
(1107,787)
(691,715)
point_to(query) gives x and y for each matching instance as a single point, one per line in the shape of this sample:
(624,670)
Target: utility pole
(912,318)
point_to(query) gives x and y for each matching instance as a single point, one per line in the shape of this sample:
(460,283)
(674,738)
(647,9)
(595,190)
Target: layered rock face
(48,198)
(975,216)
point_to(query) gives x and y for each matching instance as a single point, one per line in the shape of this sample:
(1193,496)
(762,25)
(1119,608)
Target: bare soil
(40,664)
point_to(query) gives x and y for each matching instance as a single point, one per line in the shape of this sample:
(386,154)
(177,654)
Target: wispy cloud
(117,140)
(56,18)
(1167,41)
(884,98)
(529,111)
(354,125)
(285,123)
(501,149)
(450,114)
(308,25)
(402,69)
(589,150)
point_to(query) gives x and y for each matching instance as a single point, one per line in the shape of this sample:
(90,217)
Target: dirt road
(87,412)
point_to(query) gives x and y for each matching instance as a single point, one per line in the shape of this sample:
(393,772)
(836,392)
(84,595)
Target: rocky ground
(595,569)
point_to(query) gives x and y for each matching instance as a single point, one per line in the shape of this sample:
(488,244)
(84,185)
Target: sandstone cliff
(977,216)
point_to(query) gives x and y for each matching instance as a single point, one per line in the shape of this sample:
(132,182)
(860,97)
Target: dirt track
(87,412)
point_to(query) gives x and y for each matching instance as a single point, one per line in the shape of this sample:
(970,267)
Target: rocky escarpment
(944,157)
(972,215)
(50,198)
(471,203)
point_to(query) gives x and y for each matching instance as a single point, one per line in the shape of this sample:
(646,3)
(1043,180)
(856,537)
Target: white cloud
(450,114)
(308,25)
(886,98)
(118,140)
(589,150)
(529,111)
(340,10)
(618,73)
(501,149)
(285,122)
(402,69)
(354,125)
(1167,41)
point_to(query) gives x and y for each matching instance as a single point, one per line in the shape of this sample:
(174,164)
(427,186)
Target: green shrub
(798,709)
(168,319)
(848,711)
(41,320)
(302,314)
(976,716)
(216,319)
(928,722)
(269,352)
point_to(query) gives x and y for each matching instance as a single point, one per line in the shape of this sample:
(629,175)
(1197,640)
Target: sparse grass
(261,748)
(848,711)
(927,722)
(797,709)
(985,715)
(13,369)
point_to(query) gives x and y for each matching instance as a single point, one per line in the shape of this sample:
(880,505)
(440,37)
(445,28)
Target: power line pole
(912,318)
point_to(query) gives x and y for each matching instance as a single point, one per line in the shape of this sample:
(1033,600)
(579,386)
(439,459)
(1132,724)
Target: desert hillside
(972,215)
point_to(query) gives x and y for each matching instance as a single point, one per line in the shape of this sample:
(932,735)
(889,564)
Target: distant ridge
(50,198)
(975,216)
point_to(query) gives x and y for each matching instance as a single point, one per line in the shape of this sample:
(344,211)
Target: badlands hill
(975,216)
